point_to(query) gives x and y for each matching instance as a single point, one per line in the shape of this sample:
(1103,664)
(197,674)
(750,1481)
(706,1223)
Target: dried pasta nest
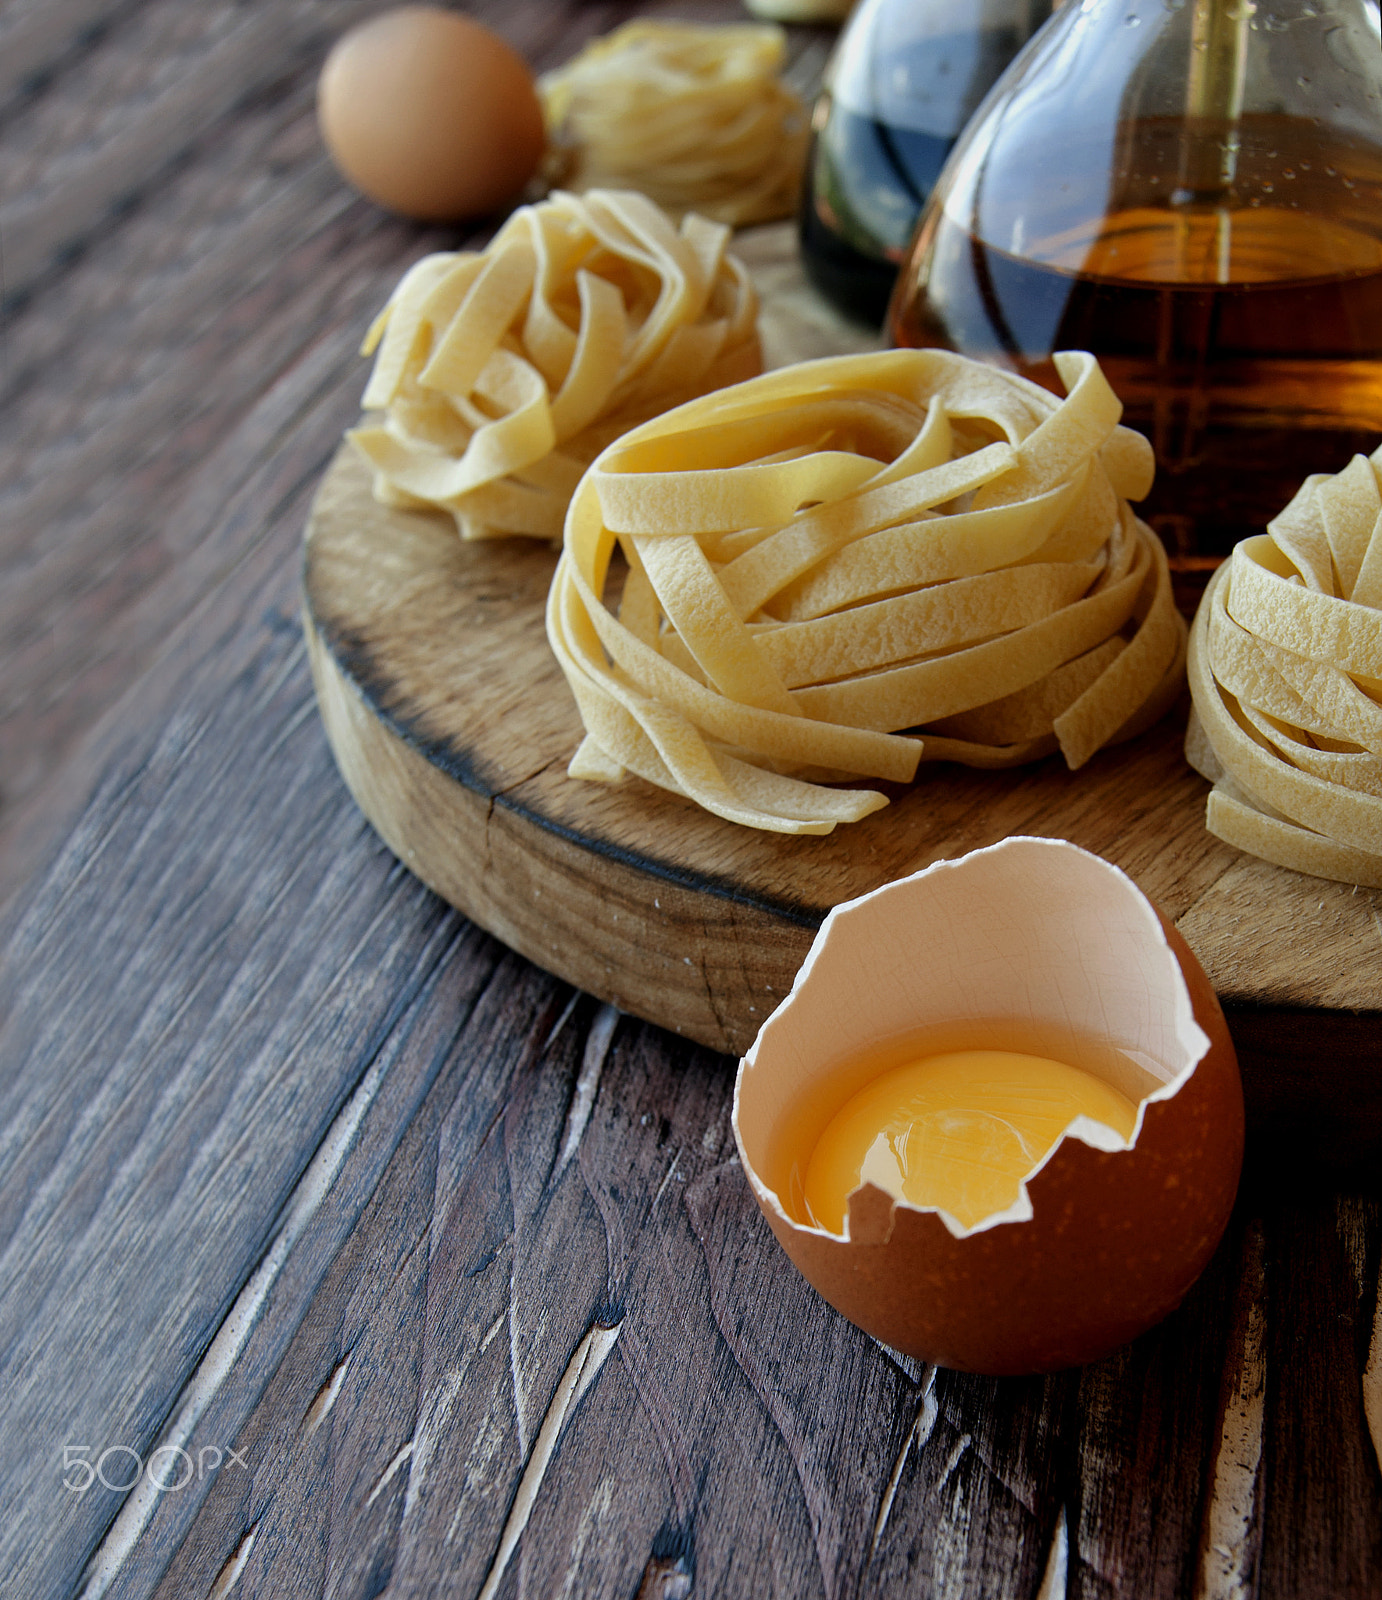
(827,555)
(1286,672)
(502,374)
(695,116)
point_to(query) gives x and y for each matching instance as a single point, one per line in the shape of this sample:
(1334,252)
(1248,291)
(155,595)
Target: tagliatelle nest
(1286,674)
(502,374)
(831,553)
(694,115)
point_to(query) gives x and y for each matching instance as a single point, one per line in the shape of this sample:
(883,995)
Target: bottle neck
(1210,62)
(1204,111)
(1256,16)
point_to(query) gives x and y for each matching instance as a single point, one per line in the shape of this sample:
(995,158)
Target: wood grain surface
(296,1163)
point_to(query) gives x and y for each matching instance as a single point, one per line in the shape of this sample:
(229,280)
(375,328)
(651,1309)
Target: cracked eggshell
(1105,1239)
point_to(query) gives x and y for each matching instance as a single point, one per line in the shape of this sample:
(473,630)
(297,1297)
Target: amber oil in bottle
(1244,338)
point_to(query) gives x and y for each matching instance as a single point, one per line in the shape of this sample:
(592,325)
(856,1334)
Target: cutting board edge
(367,742)
(492,860)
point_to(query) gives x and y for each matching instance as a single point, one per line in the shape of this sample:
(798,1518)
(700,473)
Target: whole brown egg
(430,114)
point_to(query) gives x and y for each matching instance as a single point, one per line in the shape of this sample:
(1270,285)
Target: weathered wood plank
(321,1424)
(131,466)
(773,1450)
(1322,1488)
(179,1037)
(221,964)
(1146,1433)
(61,679)
(510,1217)
(1231,1522)
(420,1052)
(101,132)
(850,1417)
(38,36)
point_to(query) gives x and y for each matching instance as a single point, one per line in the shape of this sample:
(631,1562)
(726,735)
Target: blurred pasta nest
(849,566)
(501,374)
(694,115)
(1286,674)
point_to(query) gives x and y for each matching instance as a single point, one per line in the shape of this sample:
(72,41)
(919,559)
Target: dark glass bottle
(905,79)
(1192,190)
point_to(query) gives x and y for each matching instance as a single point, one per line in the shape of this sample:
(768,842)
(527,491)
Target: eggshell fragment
(1104,1240)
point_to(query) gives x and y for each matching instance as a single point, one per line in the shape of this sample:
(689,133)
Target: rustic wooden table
(342,1251)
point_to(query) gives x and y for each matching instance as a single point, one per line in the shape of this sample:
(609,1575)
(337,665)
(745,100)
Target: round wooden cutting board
(453,726)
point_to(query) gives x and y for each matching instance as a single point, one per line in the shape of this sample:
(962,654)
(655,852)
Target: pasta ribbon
(850,566)
(1285,668)
(694,115)
(500,375)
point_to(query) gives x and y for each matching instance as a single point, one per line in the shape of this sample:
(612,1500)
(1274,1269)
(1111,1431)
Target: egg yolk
(959,1132)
